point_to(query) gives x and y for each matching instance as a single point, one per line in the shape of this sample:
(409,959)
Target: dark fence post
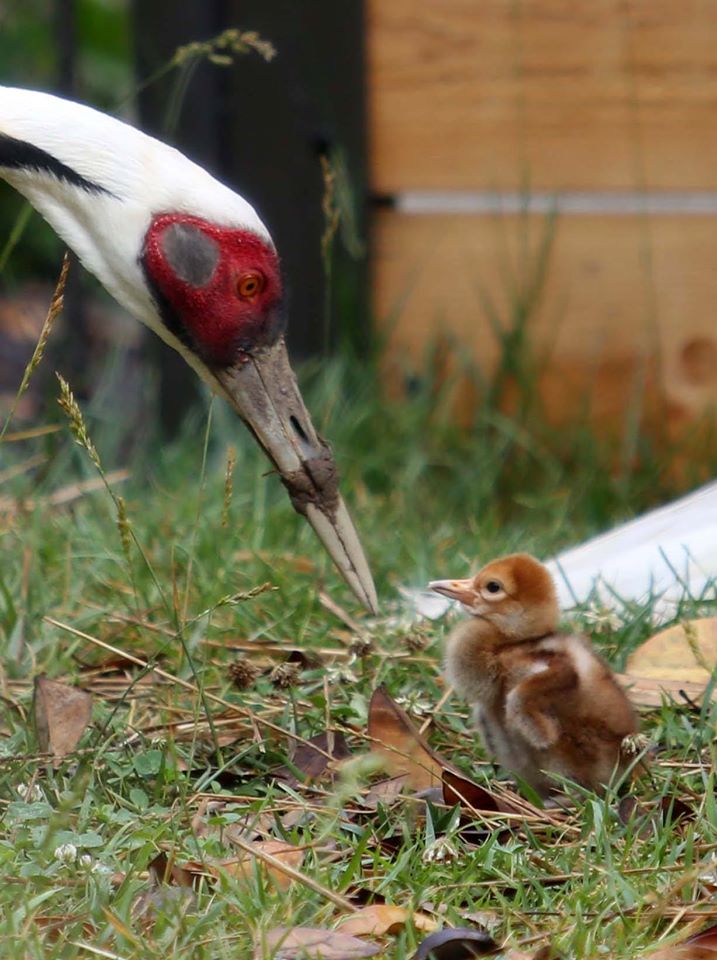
(278,118)
(75,337)
(160,27)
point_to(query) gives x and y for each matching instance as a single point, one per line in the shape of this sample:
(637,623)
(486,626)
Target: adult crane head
(192,260)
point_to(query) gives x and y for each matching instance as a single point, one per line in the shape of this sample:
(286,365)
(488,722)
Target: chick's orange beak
(460,590)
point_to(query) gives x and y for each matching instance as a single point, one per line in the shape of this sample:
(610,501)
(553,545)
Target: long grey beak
(263,391)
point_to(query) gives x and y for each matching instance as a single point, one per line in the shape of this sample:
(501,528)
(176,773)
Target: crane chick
(544,702)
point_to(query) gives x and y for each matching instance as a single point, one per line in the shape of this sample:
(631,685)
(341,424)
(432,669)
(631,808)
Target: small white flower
(30,792)
(341,674)
(440,851)
(85,861)
(66,853)
(634,744)
(602,618)
(415,705)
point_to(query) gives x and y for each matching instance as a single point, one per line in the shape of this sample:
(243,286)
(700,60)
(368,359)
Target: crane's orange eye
(250,285)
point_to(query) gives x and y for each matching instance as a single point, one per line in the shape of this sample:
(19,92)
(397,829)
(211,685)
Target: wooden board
(625,300)
(558,93)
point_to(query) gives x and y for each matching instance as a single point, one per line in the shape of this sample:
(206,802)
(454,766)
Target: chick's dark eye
(493,586)
(249,285)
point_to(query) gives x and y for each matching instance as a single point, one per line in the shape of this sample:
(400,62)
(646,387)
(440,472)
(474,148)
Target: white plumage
(143,177)
(668,554)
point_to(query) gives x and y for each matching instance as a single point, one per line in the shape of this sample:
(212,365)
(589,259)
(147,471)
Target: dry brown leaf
(312,758)
(287,943)
(685,652)
(199,825)
(458,789)
(164,869)
(475,800)
(242,868)
(247,827)
(384,791)
(381,918)
(455,943)
(487,919)
(188,873)
(667,811)
(401,746)
(62,714)
(652,691)
(700,946)
(295,816)
(170,888)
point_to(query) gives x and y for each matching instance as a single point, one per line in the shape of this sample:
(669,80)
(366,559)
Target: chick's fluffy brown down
(544,702)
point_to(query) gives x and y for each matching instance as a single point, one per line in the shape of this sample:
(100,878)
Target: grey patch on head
(191,254)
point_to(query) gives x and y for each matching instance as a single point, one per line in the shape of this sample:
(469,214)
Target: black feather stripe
(20,155)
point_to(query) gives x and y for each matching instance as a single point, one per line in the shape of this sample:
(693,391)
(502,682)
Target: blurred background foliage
(83,46)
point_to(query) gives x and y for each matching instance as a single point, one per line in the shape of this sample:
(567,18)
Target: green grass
(430,501)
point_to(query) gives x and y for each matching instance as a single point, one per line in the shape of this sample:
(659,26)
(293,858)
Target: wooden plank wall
(604,107)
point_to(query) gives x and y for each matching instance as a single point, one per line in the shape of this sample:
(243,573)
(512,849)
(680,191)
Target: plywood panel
(563,93)
(621,300)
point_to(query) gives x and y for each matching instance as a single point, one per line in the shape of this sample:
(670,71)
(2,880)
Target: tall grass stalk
(53,313)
